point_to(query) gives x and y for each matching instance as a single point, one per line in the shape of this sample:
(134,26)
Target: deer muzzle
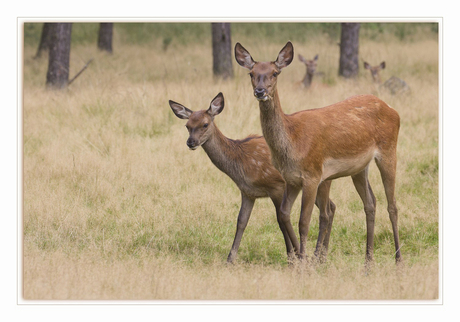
(261,94)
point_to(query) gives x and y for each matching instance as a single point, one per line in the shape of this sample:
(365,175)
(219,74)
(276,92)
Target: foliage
(186,33)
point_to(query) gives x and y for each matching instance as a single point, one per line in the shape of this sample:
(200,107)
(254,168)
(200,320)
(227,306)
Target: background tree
(45,39)
(222,50)
(104,40)
(349,49)
(59,55)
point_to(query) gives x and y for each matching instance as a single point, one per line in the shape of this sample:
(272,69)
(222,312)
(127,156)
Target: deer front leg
(309,191)
(284,216)
(243,217)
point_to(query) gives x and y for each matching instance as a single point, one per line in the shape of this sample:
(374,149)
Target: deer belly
(343,167)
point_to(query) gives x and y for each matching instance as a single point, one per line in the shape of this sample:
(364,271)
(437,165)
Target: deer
(311,70)
(312,147)
(247,163)
(394,84)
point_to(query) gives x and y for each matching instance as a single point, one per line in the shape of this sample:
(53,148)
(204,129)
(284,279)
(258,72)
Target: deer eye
(205,125)
(275,74)
(251,74)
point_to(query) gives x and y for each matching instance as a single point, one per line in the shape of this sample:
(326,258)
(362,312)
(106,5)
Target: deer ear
(316,57)
(217,105)
(181,111)
(243,57)
(301,58)
(382,65)
(285,56)
(367,66)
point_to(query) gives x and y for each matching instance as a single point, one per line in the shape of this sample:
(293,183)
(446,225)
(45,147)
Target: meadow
(116,207)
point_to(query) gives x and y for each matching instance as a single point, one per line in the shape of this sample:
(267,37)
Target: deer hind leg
(364,189)
(331,211)
(243,217)
(387,167)
(326,214)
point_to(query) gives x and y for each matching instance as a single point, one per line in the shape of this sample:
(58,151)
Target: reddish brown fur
(312,147)
(246,162)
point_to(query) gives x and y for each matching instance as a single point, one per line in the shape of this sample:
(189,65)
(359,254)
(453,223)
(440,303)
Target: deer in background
(311,70)
(312,147)
(247,163)
(394,84)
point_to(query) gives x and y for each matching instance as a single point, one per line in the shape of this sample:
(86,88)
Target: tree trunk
(45,39)
(104,40)
(59,55)
(349,49)
(222,50)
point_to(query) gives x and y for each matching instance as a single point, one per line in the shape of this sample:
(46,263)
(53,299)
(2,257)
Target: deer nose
(259,92)
(191,143)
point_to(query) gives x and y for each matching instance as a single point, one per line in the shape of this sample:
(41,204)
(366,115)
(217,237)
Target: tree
(45,39)
(59,55)
(349,48)
(222,50)
(104,40)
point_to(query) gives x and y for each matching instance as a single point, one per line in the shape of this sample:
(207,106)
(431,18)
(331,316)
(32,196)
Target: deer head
(310,64)
(200,124)
(264,74)
(375,71)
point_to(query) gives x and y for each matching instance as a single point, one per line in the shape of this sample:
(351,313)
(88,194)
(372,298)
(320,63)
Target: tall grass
(117,207)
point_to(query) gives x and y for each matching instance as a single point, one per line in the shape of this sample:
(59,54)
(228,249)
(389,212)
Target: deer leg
(243,217)
(387,167)
(323,204)
(331,212)
(363,187)
(309,192)
(287,240)
(284,215)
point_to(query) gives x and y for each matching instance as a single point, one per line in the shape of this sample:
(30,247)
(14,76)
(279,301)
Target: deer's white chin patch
(262,99)
(194,148)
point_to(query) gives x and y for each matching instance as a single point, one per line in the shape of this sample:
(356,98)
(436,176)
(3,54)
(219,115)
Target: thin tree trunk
(349,50)
(222,50)
(45,39)
(59,56)
(104,40)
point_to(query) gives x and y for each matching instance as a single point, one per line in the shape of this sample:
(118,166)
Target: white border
(373,309)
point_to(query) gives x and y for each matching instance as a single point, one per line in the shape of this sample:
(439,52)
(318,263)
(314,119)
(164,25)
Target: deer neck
(274,128)
(307,79)
(220,151)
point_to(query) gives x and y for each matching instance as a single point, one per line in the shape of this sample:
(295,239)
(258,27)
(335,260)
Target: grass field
(115,206)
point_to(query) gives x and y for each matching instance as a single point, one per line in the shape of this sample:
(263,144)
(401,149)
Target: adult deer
(394,84)
(311,70)
(247,163)
(312,147)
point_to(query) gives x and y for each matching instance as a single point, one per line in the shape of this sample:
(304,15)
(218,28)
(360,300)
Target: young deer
(312,147)
(394,84)
(311,70)
(246,162)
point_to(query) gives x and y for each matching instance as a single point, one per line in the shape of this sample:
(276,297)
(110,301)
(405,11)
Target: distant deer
(247,163)
(311,70)
(312,147)
(394,84)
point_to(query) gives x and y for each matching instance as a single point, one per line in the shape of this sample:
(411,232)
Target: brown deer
(311,70)
(394,84)
(312,147)
(247,163)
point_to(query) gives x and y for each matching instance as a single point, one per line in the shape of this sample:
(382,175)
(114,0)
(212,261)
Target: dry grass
(116,206)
